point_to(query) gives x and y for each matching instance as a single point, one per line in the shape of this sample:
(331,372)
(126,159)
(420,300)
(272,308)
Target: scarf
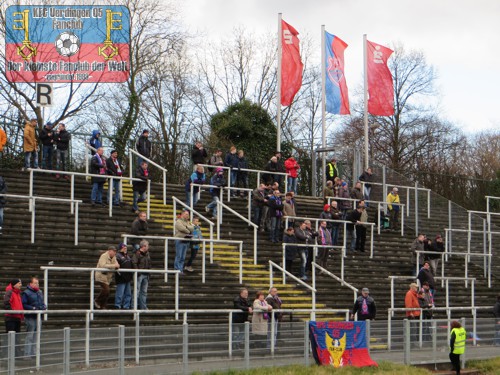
(364,307)
(102,170)
(323,237)
(146,173)
(265,315)
(118,169)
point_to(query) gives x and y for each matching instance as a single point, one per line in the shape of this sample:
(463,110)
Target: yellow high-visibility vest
(460,336)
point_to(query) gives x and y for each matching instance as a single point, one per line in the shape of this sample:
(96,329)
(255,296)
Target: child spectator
(195,245)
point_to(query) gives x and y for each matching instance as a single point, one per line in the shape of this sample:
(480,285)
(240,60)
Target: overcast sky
(460,38)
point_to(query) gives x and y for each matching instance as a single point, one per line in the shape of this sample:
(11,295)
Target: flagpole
(278,85)
(323,106)
(365,55)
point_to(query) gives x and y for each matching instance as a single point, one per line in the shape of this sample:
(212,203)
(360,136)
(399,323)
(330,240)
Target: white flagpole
(365,55)
(278,85)
(323,105)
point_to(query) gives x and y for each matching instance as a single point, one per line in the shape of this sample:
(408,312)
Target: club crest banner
(340,344)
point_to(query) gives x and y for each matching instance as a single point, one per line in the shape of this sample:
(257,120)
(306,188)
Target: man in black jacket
(123,294)
(61,139)
(140,187)
(241,303)
(47,140)
(364,306)
(355,218)
(114,168)
(199,154)
(143,146)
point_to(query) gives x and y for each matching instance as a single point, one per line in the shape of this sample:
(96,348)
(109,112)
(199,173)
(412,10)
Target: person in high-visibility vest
(457,344)
(332,170)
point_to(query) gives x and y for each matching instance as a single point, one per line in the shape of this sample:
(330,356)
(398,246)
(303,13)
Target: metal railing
(203,242)
(328,273)
(200,189)
(221,205)
(380,204)
(72,185)
(32,209)
(92,271)
(150,162)
(344,222)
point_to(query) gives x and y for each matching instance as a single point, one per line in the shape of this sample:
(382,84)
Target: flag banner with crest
(340,344)
(380,87)
(291,64)
(337,98)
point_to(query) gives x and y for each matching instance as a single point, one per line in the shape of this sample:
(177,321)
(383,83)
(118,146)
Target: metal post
(469,222)
(420,328)
(474,327)
(121,350)
(87,339)
(38,339)
(45,290)
(371,241)
(230,335)
(416,209)
(255,244)
(241,263)
(434,343)
(384,186)
(389,329)
(462,359)
(135,291)
(392,296)
(247,345)
(91,302)
(273,332)
(185,349)
(449,227)
(72,197)
(110,197)
(76,223)
(137,317)
(402,221)
(203,261)
(67,349)
(164,187)
(33,204)
(165,260)
(428,204)
(406,338)
(31,190)
(176,295)
(306,343)
(11,352)
(368,334)
(149,199)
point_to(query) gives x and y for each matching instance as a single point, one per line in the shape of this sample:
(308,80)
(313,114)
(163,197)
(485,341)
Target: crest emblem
(336,348)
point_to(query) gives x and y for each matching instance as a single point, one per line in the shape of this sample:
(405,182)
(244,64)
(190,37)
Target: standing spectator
(280,167)
(47,139)
(496,314)
(303,237)
(411,302)
(292,170)
(195,245)
(426,300)
(231,161)
(260,318)
(140,187)
(367,177)
(216,159)
(345,203)
(30,145)
(327,215)
(199,154)
(356,193)
(183,229)
(259,200)
(328,191)
(361,229)
(393,207)
(12,301)
(218,181)
(275,302)
(364,306)
(123,293)
(332,170)
(197,177)
(103,279)
(98,167)
(142,261)
(313,234)
(325,240)
(3,200)
(336,215)
(139,228)
(95,141)
(3,140)
(240,303)
(425,275)
(354,218)
(457,344)
(143,147)
(418,244)
(276,213)
(32,299)
(437,247)
(62,139)
(242,176)
(289,209)
(290,249)
(114,168)
(271,167)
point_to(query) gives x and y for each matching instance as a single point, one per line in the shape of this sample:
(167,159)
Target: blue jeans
(97,189)
(269,330)
(61,157)
(234,178)
(123,295)
(30,342)
(303,261)
(138,195)
(180,254)
(116,192)
(213,205)
(196,198)
(27,159)
(367,192)
(142,291)
(274,234)
(1,217)
(257,211)
(292,184)
(194,252)
(352,235)
(335,234)
(238,335)
(47,156)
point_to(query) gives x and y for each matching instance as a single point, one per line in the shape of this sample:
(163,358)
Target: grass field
(489,367)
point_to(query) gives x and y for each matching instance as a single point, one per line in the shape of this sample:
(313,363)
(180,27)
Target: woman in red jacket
(292,170)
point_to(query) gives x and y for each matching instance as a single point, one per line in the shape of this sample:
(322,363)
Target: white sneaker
(189,269)
(207,209)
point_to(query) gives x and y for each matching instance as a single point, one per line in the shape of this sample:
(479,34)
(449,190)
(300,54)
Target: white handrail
(332,275)
(255,227)
(72,185)
(249,195)
(164,171)
(204,241)
(92,271)
(32,204)
(200,186)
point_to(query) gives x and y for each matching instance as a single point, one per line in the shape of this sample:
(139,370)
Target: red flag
(380,87)
(291,65)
